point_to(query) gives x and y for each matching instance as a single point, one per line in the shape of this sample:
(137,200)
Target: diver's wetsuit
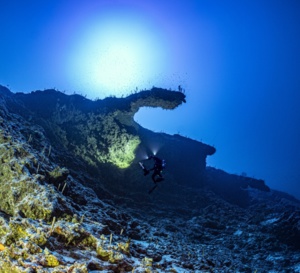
(157,169)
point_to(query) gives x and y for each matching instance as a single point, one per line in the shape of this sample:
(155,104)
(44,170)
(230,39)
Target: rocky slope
(71,201)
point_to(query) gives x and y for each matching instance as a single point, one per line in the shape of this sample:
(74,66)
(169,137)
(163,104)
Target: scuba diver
(159,165)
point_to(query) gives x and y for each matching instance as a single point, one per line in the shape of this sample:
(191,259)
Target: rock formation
(107,140)
(73,198)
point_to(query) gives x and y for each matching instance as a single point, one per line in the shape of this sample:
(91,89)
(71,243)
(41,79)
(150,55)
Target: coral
(4,228)
(19,187)
(103,253)
(125,248)
(110,255)
(115,257)
(7,267)
(73,233)
(147,262)
(51,261)
(17,230)
(58,175)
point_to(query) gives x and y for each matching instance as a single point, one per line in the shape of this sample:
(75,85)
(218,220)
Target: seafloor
(51,222)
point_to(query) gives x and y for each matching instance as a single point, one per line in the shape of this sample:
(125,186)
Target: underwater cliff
(74,199)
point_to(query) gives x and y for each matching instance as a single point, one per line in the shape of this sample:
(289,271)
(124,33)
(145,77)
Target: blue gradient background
(239,62)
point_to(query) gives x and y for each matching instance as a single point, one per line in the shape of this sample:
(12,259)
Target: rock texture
(103,135)
(101,131)
(67,206)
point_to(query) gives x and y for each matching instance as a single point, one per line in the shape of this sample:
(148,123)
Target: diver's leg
(159,177)
(154,176)
(152,189)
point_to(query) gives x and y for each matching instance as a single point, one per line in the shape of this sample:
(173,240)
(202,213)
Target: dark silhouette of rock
(231,187)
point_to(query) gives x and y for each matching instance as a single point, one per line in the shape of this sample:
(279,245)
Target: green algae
(7,267)
(58,172)
(51,261)
(121,153)
(109,255)
(74,234)
(103,254)
(17,231)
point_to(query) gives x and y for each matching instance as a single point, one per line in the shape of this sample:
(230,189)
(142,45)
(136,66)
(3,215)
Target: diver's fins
(151,190)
